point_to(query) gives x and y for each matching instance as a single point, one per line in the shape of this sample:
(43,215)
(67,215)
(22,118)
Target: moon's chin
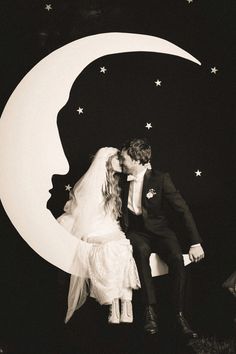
(48,196)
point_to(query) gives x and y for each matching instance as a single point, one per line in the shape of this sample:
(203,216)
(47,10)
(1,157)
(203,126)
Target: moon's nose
(58,161)
(62,165)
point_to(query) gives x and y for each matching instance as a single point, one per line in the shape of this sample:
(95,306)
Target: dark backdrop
(193,118)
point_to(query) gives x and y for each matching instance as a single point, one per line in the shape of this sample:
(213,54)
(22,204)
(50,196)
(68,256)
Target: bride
(106,269)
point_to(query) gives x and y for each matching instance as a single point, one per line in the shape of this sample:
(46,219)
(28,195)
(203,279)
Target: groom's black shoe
(150,320)
(184,328)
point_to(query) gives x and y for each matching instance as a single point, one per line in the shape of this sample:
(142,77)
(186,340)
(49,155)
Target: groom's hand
(196,253)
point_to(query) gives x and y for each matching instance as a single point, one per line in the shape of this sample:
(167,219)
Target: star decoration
(189,1)
(48,7)
(80,110)
(148,126)
(198,173)
(214,70)
(68,187)
(158,83)
(103,70)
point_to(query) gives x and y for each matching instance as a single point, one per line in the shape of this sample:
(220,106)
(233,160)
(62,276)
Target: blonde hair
(111,190)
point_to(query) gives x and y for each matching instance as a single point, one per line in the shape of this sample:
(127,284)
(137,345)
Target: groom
(144,220)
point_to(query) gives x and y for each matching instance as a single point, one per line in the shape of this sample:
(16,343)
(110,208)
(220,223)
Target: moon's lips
(30,147)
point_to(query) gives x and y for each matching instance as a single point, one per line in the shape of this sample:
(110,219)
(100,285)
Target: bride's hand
(92,239)
(85,238)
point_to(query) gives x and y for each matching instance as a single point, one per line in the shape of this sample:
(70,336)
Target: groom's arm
(177,202)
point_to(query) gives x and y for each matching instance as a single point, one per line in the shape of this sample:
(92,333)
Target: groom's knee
(175,261)
(142,250)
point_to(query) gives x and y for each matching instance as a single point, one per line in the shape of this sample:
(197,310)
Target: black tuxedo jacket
(154,212)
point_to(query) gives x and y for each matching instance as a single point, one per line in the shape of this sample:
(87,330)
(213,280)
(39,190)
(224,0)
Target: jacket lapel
(146,183)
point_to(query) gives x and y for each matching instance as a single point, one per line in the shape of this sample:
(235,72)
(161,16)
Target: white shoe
(126,311)
(114,312)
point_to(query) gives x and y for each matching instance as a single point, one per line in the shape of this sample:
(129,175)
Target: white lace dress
(112,271)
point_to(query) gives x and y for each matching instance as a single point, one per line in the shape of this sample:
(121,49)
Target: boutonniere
(150,194)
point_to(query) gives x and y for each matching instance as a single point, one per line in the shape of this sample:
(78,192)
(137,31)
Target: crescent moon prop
(30,147)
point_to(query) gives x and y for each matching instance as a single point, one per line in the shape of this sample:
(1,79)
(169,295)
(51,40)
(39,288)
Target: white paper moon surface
(30,147)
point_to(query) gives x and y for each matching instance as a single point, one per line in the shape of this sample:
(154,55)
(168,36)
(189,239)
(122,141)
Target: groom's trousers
(144,243)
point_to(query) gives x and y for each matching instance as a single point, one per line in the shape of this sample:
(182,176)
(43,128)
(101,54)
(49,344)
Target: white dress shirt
(135,193)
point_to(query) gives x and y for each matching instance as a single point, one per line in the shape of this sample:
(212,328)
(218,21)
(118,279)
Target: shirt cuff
(195,245)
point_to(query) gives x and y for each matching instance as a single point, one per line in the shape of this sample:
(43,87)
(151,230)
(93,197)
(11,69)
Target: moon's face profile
(30,147)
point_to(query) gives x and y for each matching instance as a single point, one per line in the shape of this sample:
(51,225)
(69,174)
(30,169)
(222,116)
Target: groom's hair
(138,149)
